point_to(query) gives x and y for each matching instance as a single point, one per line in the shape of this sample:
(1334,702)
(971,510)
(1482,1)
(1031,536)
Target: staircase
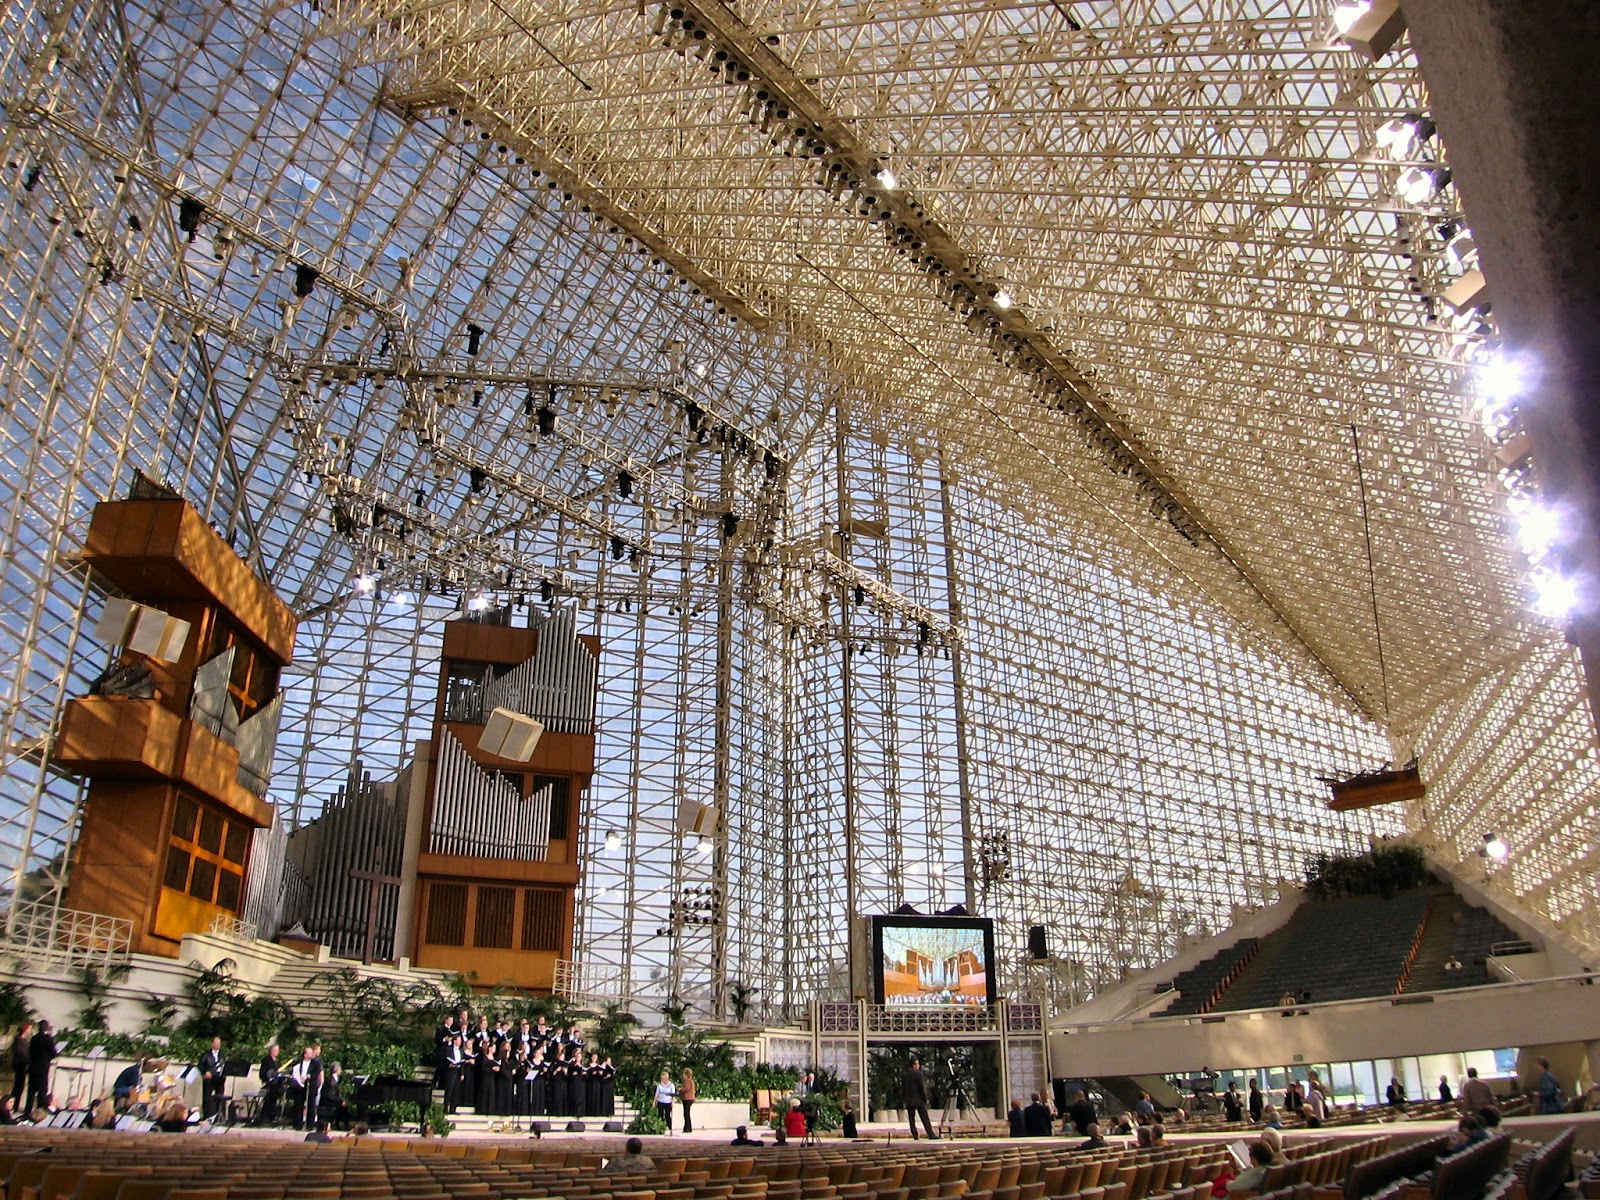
(1260,962)
(1433,951)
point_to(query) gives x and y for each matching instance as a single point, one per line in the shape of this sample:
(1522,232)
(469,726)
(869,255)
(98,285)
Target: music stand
(232,1068)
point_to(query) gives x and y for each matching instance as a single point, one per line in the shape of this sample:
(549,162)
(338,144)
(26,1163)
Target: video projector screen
(933,960)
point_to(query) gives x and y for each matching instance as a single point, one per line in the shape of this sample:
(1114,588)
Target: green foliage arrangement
(94,988)
(436,1123)
(14,1006)
(648,1121)
(1384,870)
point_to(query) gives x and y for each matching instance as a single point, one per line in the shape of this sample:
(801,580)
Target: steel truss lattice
(1056,609)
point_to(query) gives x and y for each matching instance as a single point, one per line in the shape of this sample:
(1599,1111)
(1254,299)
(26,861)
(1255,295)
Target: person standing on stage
(666,1090)
(213,1081)
(442,1038)
(503,1081)
(608,1088)
(41,1053)
(270,1075)
(452,1070)
(537,1073)
(914,1093)
(686,1095)
(19,1062)
(308,1074)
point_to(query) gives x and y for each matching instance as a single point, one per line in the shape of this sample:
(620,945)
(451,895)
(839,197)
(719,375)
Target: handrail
(1416,947)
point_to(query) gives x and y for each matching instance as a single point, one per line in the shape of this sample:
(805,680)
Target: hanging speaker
(1038,942)
(508,734)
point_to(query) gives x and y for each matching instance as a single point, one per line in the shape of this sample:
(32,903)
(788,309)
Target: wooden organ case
(497,868)
(178,736)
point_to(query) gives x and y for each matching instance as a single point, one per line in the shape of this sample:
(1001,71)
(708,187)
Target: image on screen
(934,964)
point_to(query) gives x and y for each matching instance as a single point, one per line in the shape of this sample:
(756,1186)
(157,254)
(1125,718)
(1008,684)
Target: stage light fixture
(1401,136)
(401,600)
(613,841)
(1417,184)
(888,180)
(1002,299)
(1538,525)
(1494,847)
(365,584)
(703,847)
(478,603)
(1555,596)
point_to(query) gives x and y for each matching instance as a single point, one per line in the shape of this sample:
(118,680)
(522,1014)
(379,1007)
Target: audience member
(1081,1113)
(1015,1120)
(1257,1101)
(1274,1139)
(320,1133)
(1469,1132)
(1037,1119)
(1095,1142)
(1490,1116)
(1253,1176)
(1271,1118)
(1396,1092)
(741,1137)
(1551,1099)
(1445,1094)
(847,1121)
(1145,1108)
(1475,1093)
(794,1121)
(630,1162)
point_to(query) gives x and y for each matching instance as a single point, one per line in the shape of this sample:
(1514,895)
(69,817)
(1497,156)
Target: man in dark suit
(1081,1112)
(271,1076)
(1037,1119)
(19,1062)
(213,1081)
(41,1053)
(443,1037)
(914,1092)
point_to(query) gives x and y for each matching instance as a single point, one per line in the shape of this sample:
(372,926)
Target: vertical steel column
(847,714)
(722,757)
(958,689)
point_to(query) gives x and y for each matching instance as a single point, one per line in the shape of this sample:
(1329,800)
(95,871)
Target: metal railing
(932,1018)
(63,941)
(234,928)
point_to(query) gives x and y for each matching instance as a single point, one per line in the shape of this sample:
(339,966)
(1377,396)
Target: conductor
(914,1091)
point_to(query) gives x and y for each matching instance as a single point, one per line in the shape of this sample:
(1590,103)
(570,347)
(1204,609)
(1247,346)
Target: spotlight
(1538,525)
(401,600)
(365,583)
(888,180)
(613,841)
(1002,299)
(1401,136)
(478,603)
(1346,15)
(1417,184)
(1494,847)
(1369,27)
(474,339)
(1555,596)
(703,847)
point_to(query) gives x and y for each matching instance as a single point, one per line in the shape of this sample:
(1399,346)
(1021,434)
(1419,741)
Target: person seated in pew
(1469,1132)
(1095,1142)
(1274,1138)
(741,1137)
(633,1162)
(1254,1176)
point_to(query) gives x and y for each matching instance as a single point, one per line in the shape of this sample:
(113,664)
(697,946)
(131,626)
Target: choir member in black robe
(456,1070)
(594,1085)
(608,1088)
(487,1072)
(537,1073)
(577,1084)
(557,1098)
(502,1081)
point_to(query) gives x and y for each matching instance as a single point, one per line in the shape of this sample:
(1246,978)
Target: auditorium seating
(1476,933)
(90,1165)
(1202,984)
(1337,950)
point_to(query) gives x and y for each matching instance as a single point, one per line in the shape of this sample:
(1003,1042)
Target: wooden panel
(556,754)
(120,854)
(475,641)
(158,549)
(121,737)
(463,867)
(532,970)
(1369,791)
(178,913)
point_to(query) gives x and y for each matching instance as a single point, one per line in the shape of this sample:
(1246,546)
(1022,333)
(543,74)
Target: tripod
(957,1107)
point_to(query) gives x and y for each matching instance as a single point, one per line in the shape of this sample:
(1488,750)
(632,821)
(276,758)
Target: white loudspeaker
(694,817)
(142,629)
(1468,292)
(1376,30)
(508,734)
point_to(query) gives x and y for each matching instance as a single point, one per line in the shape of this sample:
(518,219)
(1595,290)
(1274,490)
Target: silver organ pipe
(479,814)
(557,685)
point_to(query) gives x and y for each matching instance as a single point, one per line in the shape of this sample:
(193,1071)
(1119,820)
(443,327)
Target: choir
(531,1071)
